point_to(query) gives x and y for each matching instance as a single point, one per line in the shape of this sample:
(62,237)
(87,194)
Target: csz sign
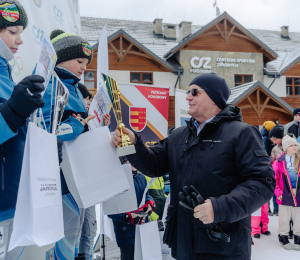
(200,65)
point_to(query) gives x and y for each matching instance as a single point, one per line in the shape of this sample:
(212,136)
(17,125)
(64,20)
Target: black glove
(59,149)
(191,198)
(24,100)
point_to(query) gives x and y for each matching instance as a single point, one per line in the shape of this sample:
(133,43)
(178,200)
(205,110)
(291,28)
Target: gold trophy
(125,147)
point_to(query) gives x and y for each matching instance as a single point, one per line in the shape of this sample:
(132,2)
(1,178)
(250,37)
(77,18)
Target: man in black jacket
(294,126)
(223,159)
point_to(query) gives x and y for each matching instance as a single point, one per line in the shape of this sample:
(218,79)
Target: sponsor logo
(138,118)
(38,34)
(211,141)
(64,129)
(75,5)
(198,63)
(10,12)
(38,3)
(87,49)
(58,15)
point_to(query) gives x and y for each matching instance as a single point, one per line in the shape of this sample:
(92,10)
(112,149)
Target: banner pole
(103,246)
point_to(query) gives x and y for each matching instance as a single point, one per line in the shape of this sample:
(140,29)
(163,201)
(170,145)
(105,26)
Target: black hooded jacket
(227,163)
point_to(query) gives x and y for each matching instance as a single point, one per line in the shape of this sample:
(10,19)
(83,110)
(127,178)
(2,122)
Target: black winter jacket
(227,163)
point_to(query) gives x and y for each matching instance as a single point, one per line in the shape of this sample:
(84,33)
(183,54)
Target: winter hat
(296,111)
(69,46)
(287,141)
(276,132)
(123,159)
(215,87)
(12,14)
(84,91)
(268,125)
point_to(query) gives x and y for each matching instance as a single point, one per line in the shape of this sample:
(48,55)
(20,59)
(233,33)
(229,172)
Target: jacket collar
(67,76)
(281,157)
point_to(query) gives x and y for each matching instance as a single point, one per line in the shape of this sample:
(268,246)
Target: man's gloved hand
(24,100)
(59,149)
(138,216)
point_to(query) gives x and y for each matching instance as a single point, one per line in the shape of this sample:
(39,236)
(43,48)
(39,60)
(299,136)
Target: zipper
(2,162)
(290,185)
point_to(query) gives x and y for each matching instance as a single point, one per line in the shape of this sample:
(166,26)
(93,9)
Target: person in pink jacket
(287,191)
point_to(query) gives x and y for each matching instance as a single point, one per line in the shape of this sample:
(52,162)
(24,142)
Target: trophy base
(126,150)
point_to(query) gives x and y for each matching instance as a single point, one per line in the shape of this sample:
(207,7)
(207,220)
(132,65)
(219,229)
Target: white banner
(181,108)
(44,16)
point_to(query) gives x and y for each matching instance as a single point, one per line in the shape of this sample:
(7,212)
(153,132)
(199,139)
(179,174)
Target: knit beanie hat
(215,87)
(69,46)
(12,14)
(296,111)
(84,91)
(276,132)
(268,125)
(287,141)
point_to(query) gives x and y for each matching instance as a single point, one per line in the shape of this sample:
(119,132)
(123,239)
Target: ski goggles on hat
(194,91)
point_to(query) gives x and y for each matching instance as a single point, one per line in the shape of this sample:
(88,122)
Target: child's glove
(24,100)
(138,216)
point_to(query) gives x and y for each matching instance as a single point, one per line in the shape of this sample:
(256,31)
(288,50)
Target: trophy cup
(125,147)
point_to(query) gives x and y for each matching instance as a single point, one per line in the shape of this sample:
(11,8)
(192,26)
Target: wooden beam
(278,109)
(114,48)
(225,34)
(126,52)
(245,107)
(220,32)
(254,107)
(258,103)
(230,32)
(264,105)
(260,49)
(121,47)
(242,36)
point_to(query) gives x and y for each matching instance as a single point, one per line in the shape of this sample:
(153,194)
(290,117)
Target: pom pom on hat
(269,125)
(55,33)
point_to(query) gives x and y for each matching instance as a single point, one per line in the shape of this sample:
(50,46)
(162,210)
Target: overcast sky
(257,14)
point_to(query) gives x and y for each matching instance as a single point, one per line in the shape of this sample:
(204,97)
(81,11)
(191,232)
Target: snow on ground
(269,248)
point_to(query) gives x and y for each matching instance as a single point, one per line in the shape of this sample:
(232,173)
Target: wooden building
(264,77)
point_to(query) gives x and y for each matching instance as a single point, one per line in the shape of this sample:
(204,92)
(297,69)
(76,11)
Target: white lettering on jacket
(64,129)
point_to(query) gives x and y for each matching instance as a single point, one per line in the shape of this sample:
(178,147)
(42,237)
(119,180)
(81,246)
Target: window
(292,86)
(90,80)
(242,79)
(141,77)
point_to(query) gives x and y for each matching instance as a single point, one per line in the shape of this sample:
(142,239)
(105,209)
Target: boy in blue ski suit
(73,55)
(17,102)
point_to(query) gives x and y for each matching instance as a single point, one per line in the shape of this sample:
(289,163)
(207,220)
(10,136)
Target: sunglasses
(194,91)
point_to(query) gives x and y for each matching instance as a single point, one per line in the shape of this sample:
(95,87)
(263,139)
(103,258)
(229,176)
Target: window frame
(243,79)
(292,85)
(141,77)
(95,79)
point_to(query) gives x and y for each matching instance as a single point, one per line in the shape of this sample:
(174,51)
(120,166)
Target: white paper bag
(125,201)
(92,169)
(38,217)
(165,250)
(147,242)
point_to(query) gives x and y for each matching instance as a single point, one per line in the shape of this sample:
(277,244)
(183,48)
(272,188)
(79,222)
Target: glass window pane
(297,81)
(89,84)
(147,78)
(135,77)
(297,90)
(237,79)
(289,81)
(247,79)
(289,90)
(89,75)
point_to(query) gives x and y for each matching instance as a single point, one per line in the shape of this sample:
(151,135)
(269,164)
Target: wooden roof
(225,26)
